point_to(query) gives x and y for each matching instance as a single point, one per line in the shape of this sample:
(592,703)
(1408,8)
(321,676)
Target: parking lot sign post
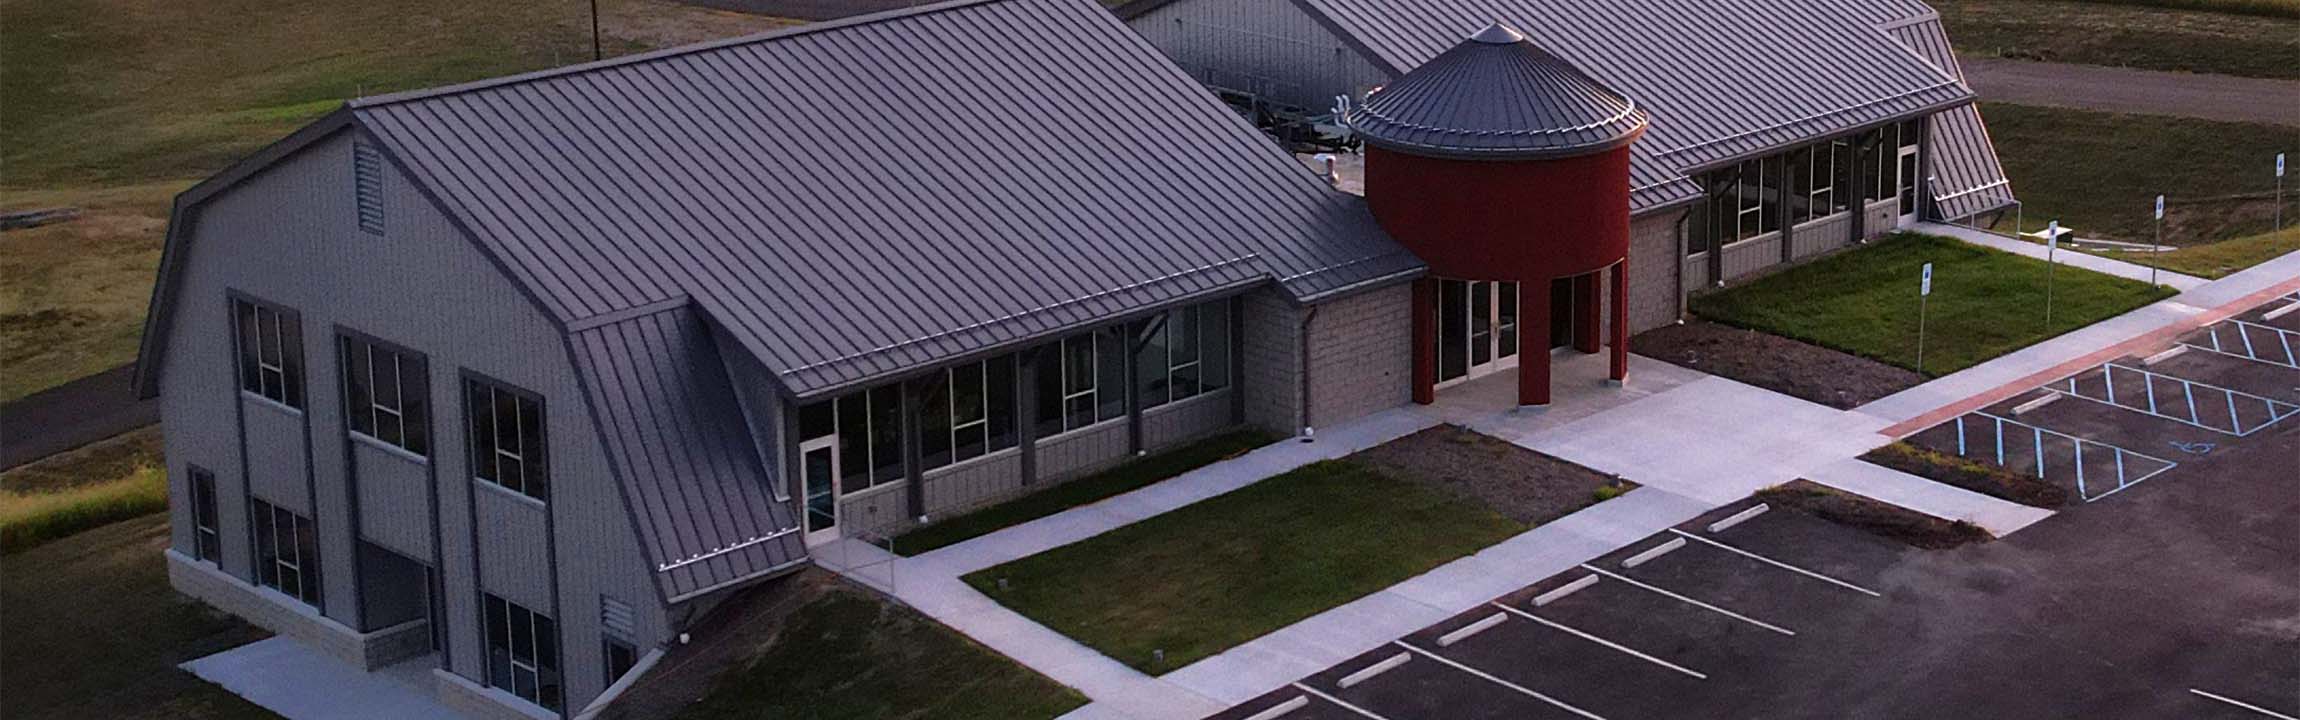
(2279,191)
(1924,293)
(2051,249)
(2159,240)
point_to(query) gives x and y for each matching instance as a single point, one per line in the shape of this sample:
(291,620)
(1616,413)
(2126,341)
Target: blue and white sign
(2160,207)
(2052,235)
(1927,287)
(2279,164)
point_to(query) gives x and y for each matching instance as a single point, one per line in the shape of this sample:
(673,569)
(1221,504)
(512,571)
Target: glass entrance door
(1907,174)
(1477,328)
(819,472)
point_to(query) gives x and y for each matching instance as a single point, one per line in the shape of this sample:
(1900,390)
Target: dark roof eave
(1559,152)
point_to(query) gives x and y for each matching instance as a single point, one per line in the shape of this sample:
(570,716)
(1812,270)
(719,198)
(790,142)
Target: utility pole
(595,53)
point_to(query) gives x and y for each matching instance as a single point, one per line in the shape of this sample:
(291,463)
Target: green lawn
(1204,578)
(2100,173)
(1094,488)
(92,630)
(102,483)
(1985,302)
(848,655)
(113,106)
(2224,258)
(2254,38)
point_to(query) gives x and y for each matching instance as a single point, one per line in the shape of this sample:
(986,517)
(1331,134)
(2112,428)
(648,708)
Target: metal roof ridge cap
(598,320)
(404,96)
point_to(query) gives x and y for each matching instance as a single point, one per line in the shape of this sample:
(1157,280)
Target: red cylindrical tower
(1498,161)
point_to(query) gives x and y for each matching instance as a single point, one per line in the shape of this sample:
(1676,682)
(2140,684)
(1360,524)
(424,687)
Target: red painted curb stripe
(2159,335)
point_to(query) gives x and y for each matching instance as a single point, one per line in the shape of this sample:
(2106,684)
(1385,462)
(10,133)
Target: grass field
(103,483)
(2100,173)
(846,655)
(1985,302)
(2224,258)
(93,631)
(2253,38)
(1204,578)
(1094,488)
(115,105)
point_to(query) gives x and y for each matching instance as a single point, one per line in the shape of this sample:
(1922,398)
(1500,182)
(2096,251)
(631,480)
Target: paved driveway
(2110,89)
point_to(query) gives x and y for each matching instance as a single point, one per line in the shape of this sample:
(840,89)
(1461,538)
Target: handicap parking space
(2268,380)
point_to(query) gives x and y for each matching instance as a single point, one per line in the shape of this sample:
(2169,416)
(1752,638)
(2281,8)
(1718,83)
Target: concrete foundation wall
(283,615)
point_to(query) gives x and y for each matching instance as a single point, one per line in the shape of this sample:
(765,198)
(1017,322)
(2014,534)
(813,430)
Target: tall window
(386,393)
(869,426)
(287,554)
(1081,382)
(207,544)
(968,413)
(507,437)
(270,341)
(523,653)
(1189,354)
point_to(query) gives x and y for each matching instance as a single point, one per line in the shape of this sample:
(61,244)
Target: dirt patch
(1801,370)
(1948,469)
(1877,518)
(728,637)
(1520,484)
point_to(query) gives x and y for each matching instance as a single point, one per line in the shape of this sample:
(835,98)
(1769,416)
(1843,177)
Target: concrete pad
(1999,517)
(300,683)
(1713,440)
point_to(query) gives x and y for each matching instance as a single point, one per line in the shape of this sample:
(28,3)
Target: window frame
(1097,341)
(414,418)
(534,471)
(254,373)
(269,557)
(541,633)
(1213,371)
(608,644)
(207,532)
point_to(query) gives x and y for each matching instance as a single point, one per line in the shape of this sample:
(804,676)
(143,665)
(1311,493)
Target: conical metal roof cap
(1496,95)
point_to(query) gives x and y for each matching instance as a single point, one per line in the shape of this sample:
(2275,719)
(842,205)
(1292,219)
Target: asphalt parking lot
(2174,597)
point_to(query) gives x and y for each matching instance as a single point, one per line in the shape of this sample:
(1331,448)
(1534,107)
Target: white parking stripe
(1632,652)
(1504,683)
(1691,601)
(1781,565)
(1338,701)
(2242,704)
(1352,679)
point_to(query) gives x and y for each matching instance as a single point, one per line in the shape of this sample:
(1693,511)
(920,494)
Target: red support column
(1425,341)
(1621,321)
(1533,361)
(1586,312)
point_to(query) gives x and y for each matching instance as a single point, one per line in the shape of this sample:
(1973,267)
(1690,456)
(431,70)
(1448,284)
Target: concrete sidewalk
(2071,258)
(2157,324)
(1939,500)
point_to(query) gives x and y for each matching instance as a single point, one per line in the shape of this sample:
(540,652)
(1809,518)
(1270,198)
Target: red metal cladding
(1521,220)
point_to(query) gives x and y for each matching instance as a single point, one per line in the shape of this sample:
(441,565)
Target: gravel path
(2111,89)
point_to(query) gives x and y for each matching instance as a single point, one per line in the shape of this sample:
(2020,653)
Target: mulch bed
(1810,372)
(1885,520)
(1520,484)
(1944,468)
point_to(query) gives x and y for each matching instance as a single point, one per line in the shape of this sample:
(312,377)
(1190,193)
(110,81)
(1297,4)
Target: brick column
(1425,341)
(1533,361)
(1586,309)
(1620,370)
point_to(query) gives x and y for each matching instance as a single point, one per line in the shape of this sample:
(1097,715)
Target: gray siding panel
(1176,423)
(1272,49)
(422,285)
(1752,255)
(1820,236)
(1082,451)
(952,491)
(394,500)
(275,444)
(514,547)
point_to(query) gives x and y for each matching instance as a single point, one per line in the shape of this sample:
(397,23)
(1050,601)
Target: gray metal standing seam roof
(690,473)
(854,199)
(1495,95)
(1757,78)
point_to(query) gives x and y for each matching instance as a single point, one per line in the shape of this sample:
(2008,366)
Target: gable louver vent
(367,183)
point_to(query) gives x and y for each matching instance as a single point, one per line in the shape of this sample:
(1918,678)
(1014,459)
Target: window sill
(1075,432)
(1173,405)
(390,449)
(1755,239)
(265,402)
(969,462)
(489,485)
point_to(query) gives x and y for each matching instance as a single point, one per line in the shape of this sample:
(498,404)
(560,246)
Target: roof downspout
(1308,433)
